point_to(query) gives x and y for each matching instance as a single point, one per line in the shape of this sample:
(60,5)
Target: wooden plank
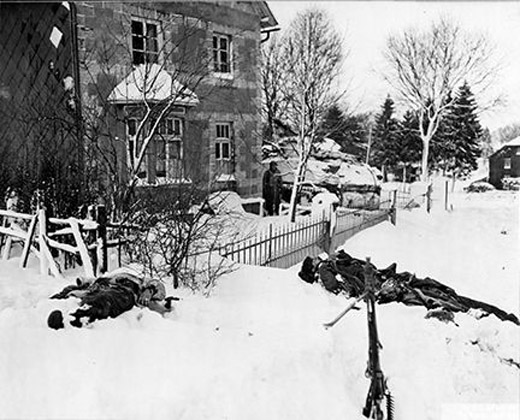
(28,242)
(45,253)
(16,215)
(65,231)
(82,248)
(44,263)
(10,233)
(85,224)
(7,248)
(63,247)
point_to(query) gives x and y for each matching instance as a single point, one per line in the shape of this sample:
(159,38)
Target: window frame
(217,51)
(169,138)
(146,52)
(507,163)
(222,140)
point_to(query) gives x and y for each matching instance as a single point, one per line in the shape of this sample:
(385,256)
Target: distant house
(505,163)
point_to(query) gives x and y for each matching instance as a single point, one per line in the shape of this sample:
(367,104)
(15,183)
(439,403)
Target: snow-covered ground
(256,349)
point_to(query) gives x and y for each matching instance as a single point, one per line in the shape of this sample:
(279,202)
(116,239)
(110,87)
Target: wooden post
(270,251)
(393,208)
(446,206)
(28,242)
(91,239)
(429,198)
(44,263)
(101,239)
(82,248)
(394,199)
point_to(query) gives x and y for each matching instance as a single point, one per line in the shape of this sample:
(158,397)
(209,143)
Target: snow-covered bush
(479,186)
(511,184)
(179,242)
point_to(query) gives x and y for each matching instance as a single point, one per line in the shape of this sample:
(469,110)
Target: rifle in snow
(351,304)
(378,391)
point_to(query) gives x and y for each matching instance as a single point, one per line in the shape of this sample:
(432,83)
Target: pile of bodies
(345,274)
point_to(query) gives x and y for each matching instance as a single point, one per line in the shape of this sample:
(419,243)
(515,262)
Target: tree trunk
(425,155)
(294,193)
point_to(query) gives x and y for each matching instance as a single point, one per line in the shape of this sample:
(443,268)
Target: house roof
(511,143)
(151,83)
(261,9)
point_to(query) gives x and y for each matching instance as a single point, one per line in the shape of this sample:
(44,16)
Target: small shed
(505,163)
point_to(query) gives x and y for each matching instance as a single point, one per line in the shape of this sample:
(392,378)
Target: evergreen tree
(443,146)
(349,131)
(410,141)
(467,132)
(386,147)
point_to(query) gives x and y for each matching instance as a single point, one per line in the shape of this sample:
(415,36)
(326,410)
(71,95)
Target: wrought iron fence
(350,222)
(286,245)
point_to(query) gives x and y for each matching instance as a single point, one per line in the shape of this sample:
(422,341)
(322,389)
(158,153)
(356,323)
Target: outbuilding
(505,163)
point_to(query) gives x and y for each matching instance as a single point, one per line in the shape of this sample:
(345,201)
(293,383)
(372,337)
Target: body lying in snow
(110,296)
(345,274)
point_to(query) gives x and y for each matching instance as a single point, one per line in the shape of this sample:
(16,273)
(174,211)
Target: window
(221,53)
(171,127)
(223,142)
(131,130)
(145,43)
(168,158)
(507,163)
(168,148)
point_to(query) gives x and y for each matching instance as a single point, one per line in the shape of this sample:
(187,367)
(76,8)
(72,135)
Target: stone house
(200,58)
(105,72)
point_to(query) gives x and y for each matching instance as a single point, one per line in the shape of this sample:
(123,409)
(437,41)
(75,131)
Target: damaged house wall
(40,141)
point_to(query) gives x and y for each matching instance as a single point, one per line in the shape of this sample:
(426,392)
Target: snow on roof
(332,172)
(514,142)
(151,83)
(328,145)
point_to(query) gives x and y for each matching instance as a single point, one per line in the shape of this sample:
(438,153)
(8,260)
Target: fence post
(91,239)
(44,264)
(270,249)
(101,239)
(429,198)
(393,208)
(446,207)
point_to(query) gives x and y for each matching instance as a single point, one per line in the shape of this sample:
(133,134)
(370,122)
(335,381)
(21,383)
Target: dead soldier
(110,296)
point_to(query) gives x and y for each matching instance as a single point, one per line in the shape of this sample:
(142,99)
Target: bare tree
(425,67)
(273,74)
(313,52)
(140,85)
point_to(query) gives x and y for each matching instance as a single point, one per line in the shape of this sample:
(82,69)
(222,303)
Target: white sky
(366,25)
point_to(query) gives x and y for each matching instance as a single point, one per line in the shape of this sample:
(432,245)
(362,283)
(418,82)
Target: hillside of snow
(256,348)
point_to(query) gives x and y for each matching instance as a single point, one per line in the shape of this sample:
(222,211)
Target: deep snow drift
(256,349)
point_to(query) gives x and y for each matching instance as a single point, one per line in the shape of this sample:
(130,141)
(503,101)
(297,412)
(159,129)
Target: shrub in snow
(511,184)
(479,187)
(179,241)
